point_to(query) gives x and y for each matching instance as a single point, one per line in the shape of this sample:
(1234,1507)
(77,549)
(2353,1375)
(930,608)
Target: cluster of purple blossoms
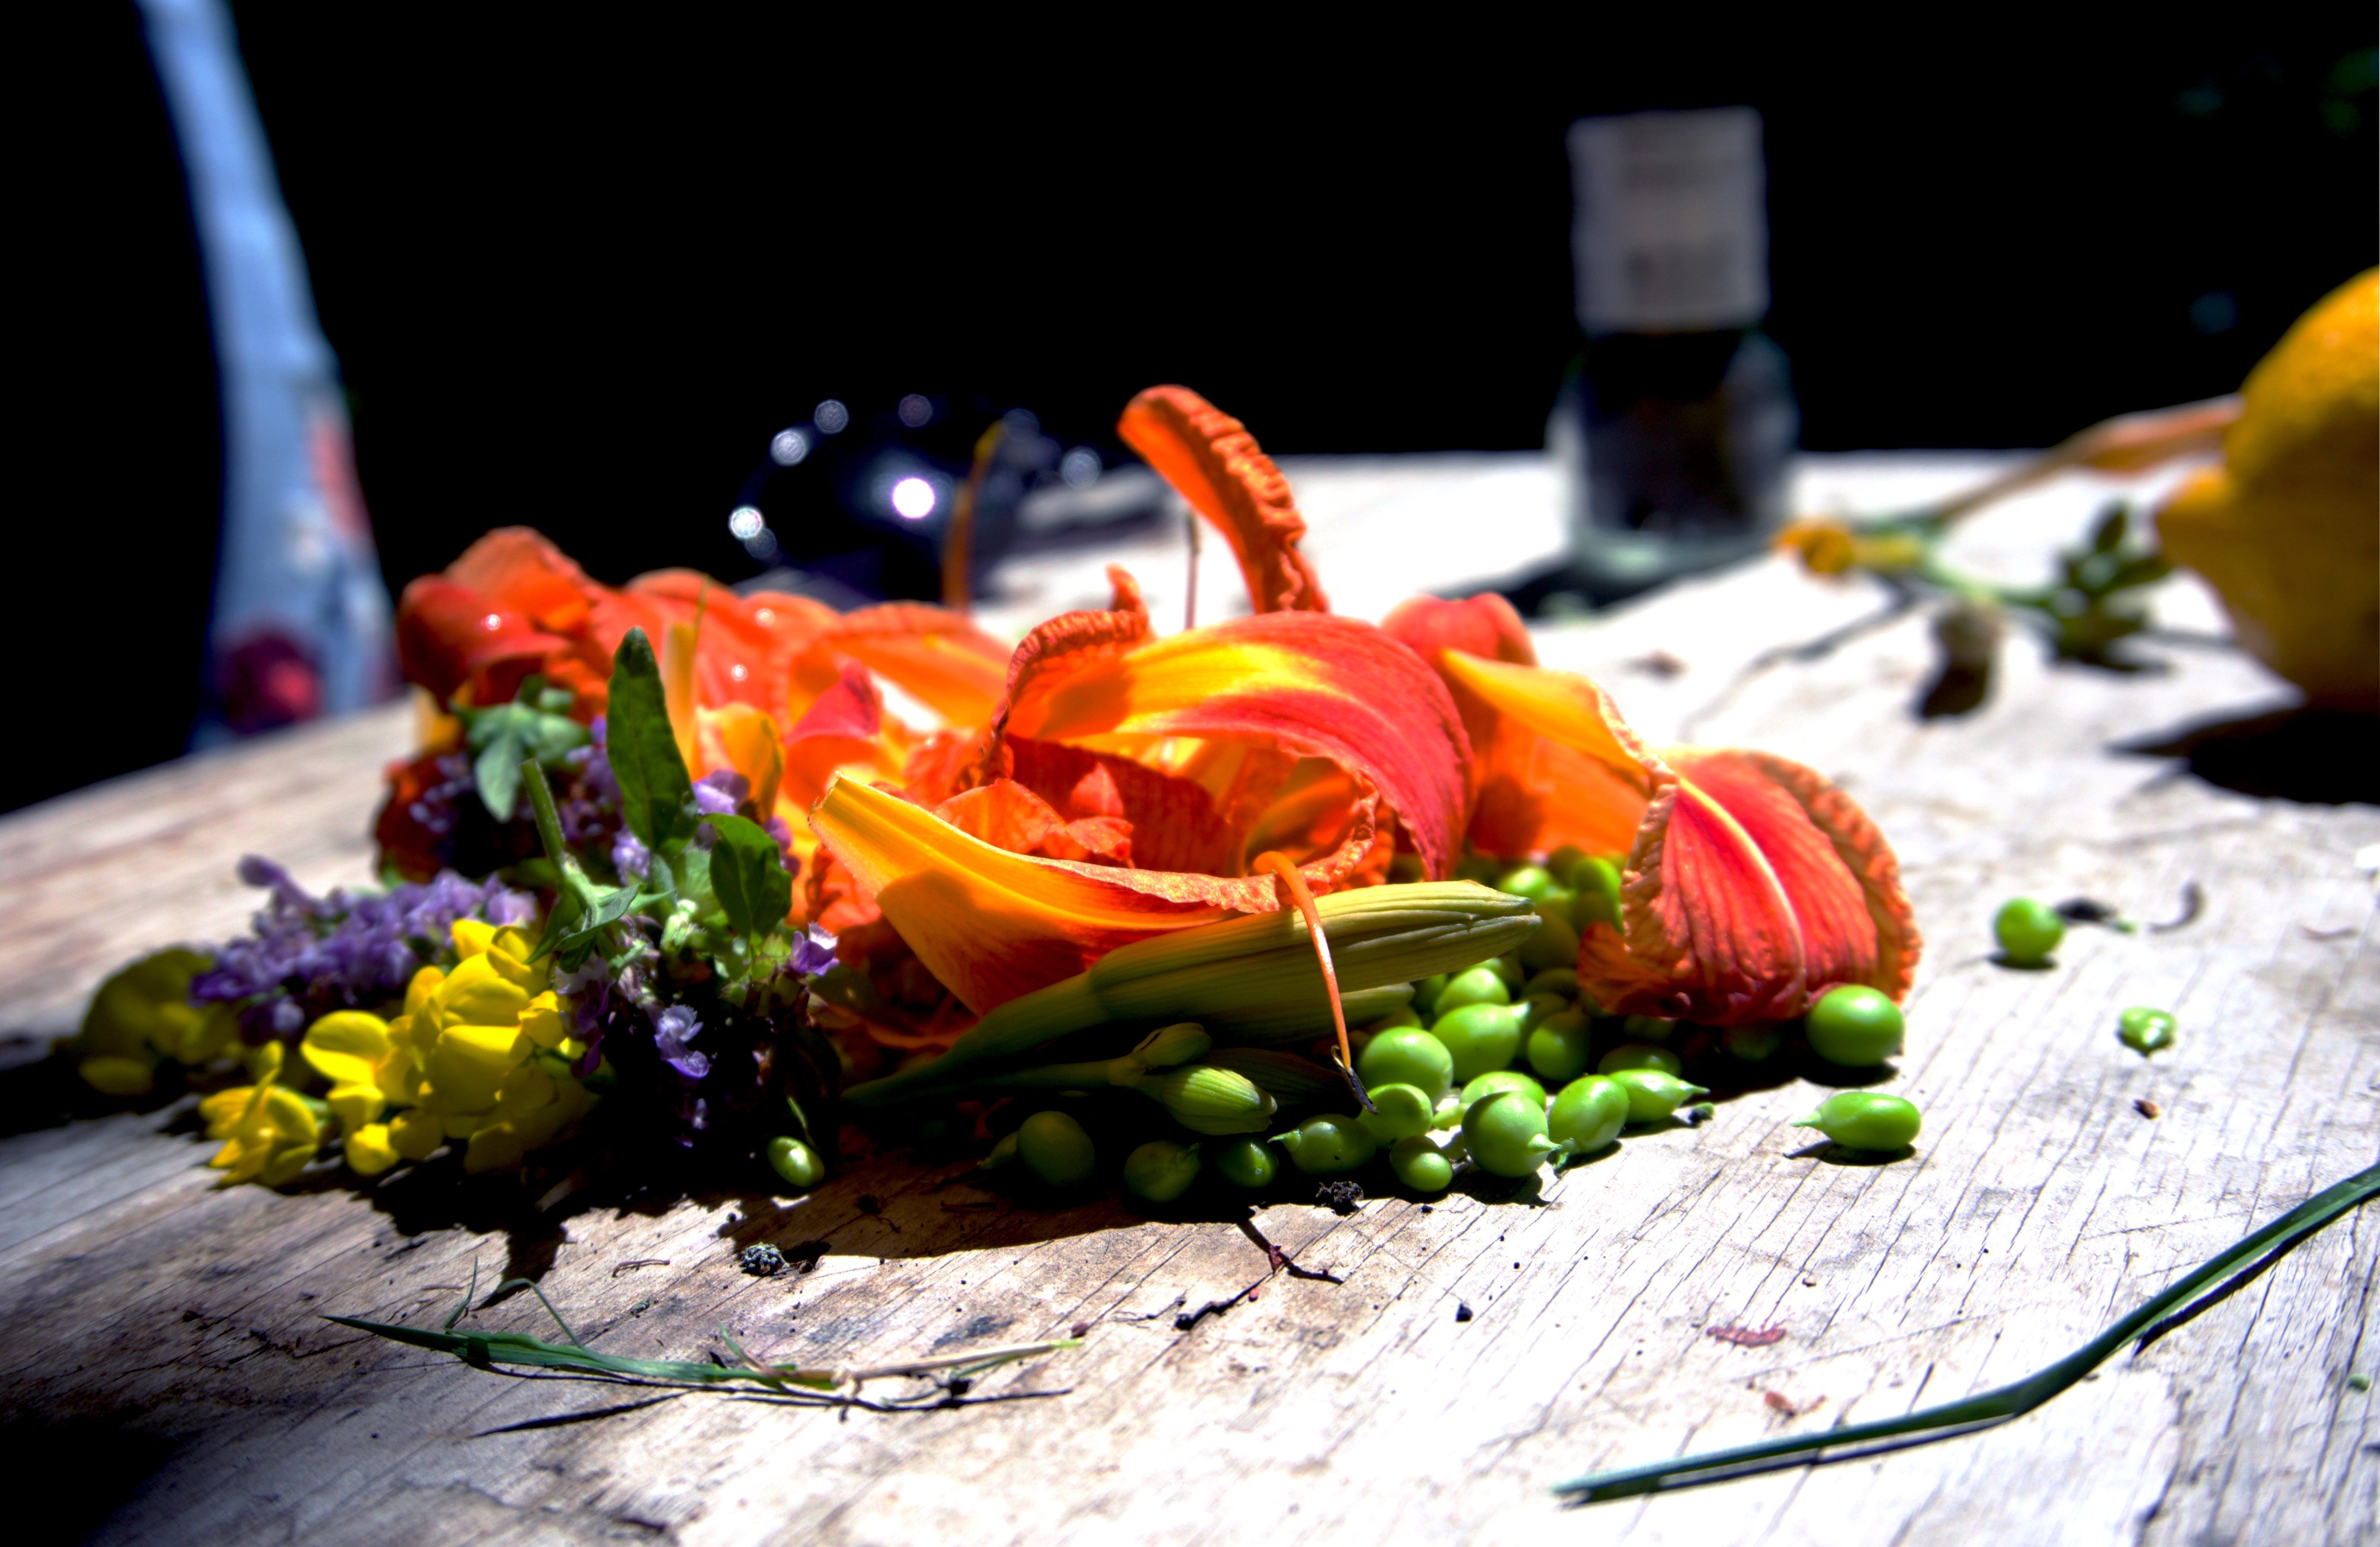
(309,955)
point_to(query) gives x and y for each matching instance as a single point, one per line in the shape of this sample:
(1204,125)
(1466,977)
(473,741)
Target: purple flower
(672,1029)
(630,856)
(719,794)
(812,954)
(308,956)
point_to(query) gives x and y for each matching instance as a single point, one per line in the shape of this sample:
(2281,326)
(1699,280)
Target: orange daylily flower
(991,921)
(1752,884)
(1218,467)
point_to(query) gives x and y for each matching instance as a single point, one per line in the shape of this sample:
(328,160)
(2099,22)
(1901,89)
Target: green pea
(1557,1049)
(1640,1055)
(1564,861)
(1754,1043)
(1405,1111)
(1560,980)
(1597,882)
(2144,1031)
(1407,1056)
(1161,1170)
(1402,1015)
(1054,1148)
(1539,1008)
(1478,985)
(1496,1080)
(1855,1025)
(1480,1037)
(1421,1164)
(1508,970)
(1554,944)
(1560,903)
(1329,1144)
(2028,932)
(1865,1120)
(1526,881)
(1648,1028)
(1247,1163)
(796,1161)
(1506,1134)
(1653,1095)
(1426,993)
(1587,1114)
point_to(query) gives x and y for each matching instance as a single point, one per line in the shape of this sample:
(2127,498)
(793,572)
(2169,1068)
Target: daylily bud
(1169,1045)
(1206,1099)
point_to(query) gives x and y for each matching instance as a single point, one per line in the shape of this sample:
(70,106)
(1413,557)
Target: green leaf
(536,724)
(747,875)
(656,794)
(2109,535)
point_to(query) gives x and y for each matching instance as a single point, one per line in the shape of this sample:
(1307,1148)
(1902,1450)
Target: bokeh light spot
(913,499)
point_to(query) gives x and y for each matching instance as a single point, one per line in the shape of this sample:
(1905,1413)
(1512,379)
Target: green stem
(1992,1406)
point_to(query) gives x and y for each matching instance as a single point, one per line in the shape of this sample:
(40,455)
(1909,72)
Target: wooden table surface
(165,1358)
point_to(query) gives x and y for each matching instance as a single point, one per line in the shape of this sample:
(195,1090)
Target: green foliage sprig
(2183,1299)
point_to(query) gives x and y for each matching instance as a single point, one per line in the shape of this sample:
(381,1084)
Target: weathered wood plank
(178,1324)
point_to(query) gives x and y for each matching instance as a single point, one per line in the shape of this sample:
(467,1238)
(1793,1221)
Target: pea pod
(1479,1037)
(1506,1134)
(1245,1163)
(1556,1047)
(1420,1164)
(1653,1095)
(1865,1120)
(1328,1145)
(1407,1056)
(1398,1112)
(1640,1055)
(1054,1148)
(1587,1114)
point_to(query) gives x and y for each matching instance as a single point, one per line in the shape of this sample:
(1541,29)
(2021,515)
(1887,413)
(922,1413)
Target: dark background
(578,269)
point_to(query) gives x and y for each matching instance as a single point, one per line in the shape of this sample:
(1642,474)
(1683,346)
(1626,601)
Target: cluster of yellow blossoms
(481,1054)
(142,1015)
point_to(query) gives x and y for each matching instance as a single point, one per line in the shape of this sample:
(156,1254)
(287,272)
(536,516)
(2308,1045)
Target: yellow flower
(479,1054)
(141,1014)
(269,1131)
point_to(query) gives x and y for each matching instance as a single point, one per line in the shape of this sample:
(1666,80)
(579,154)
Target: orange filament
(1301,897)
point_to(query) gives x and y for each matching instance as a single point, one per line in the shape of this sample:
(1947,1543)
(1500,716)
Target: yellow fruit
(2288,529)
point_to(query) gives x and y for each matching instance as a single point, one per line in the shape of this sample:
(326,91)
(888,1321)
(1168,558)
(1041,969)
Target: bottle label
(1671,230)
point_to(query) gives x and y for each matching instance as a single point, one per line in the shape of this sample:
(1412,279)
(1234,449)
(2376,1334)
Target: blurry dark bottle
(1675,427)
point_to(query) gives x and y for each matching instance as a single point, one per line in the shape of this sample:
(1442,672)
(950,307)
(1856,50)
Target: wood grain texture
(165,1337)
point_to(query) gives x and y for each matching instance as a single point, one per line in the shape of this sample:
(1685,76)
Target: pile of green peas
(1505,1064)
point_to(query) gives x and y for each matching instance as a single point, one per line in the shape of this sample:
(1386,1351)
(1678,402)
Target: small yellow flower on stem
(269,1131)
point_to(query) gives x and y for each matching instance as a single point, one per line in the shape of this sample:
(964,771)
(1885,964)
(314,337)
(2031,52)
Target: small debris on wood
(761,1261)
(1778,1402)
(1170,1306)
(1810,1279)
(870,1204)
(2194,903)
(2341,932)
(804,1255)
(1426,1209)
(1340,1198)
(1659,663)
(1697,1114)
(2089,910)
(1746,1337)
(1275,1260)
(636,1263)
(1461,1312)
(2147,1107)
(2358,1382)
(1080,1329)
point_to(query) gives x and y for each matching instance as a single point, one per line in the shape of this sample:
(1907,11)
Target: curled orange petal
(1217,464)
(948,663)
(1752,885)
(991,925)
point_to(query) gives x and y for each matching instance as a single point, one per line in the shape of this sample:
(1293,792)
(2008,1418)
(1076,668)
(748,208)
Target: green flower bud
(1206,1099)
(1327,1145)
(1161,1170)
(1169,1045)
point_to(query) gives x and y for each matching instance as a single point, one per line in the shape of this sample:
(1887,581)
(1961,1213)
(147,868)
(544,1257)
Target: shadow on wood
(2319,756)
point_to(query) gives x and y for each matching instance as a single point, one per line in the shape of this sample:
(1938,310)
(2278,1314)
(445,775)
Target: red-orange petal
(1560,767)
(991,925)
(1306,683)
(948,663)
(1219,467)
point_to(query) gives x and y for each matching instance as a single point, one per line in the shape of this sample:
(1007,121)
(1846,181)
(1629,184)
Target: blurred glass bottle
(1675,426)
